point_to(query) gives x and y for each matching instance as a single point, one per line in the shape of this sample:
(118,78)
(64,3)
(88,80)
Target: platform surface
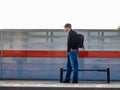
(42,83)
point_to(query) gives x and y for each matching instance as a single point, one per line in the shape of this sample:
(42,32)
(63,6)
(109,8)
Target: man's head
(68,27)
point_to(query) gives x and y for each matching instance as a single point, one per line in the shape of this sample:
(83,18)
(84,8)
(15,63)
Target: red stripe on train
(59,54)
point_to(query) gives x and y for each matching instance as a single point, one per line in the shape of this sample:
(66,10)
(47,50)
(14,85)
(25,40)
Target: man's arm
(72,43)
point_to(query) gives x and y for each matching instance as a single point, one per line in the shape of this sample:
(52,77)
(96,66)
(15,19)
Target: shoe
(66,81)
(74,81)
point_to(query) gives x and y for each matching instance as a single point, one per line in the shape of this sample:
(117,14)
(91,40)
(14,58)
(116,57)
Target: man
(72,55)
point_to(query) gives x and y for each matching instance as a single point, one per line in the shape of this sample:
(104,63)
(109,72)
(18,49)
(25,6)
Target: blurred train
(40,53)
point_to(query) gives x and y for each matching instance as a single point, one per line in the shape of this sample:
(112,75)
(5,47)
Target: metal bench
(97,70)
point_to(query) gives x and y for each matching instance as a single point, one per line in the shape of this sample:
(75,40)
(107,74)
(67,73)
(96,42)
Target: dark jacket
(71,41)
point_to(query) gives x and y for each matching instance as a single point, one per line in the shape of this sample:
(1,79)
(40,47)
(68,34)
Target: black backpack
(80,41)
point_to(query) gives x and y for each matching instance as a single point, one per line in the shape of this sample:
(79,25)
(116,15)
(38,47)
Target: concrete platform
(55,85)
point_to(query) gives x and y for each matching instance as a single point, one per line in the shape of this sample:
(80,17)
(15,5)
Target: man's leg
(69,69)
(74,64)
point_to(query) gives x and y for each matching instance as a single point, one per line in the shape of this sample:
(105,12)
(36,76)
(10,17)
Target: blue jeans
(72,64)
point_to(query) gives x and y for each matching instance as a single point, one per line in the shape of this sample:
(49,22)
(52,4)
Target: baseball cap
(67,25)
